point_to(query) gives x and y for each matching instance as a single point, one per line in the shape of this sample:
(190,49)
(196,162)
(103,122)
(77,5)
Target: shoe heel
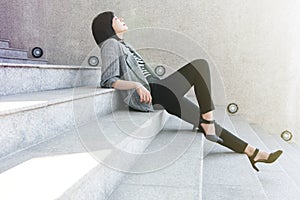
(251,159)
(254,166)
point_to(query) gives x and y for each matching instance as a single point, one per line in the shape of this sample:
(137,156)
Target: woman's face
(119,25)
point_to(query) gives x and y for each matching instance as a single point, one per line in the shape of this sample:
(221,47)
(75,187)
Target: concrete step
(13,53)
(295,145)
(272,141)
(27,78)
(170,168)
(204,171)
(226,174)
(28,119)
(14,60)
(290,159)
(4,43)
(273,178)
(86,163)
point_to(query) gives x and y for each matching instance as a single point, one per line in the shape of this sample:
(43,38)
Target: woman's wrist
(138,85)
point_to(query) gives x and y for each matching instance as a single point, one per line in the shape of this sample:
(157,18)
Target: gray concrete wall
(253,44)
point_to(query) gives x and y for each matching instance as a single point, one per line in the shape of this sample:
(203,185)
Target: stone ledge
(66,159)
(4,40)
(44,62)
(23,102)
(13,49)
(28,78)
(51,113)
(47,66)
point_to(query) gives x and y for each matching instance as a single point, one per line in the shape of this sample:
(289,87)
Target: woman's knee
(202,66)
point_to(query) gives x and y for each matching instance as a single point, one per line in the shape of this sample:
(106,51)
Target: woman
(125,70)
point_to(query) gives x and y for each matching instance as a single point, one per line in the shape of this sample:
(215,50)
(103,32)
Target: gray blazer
(119,63)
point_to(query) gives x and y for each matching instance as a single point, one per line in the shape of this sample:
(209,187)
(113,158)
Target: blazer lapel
(132,63)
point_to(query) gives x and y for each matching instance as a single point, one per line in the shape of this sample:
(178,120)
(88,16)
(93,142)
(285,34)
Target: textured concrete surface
(222,174)
(75,165)
(226,174)
(4,43)
(125,148)
(173,170)
(289,162)
(254,44)
(277,183)
(10,52)
(22,60)
(22,78)
(28,119)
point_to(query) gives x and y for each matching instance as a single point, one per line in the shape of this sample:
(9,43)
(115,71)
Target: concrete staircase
(208,171)
(13,55)
(28,78)
(68,143)
(62,137)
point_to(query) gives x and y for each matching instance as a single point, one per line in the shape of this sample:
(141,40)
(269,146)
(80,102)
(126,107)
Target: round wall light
(286,135)
(232,108)
(93,61)
(37,52)
(160,70)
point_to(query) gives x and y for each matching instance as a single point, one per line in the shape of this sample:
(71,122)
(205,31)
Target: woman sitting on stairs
(125,70)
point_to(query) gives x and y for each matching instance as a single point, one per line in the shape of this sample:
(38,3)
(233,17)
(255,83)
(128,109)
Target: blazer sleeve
(110,70)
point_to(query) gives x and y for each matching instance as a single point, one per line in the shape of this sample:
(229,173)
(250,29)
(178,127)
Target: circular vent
(93,61)
(37,52)
(232,108)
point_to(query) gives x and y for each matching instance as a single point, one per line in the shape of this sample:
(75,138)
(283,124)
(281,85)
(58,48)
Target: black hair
(102,27)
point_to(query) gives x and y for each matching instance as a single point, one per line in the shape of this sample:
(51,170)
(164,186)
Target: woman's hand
(145,95)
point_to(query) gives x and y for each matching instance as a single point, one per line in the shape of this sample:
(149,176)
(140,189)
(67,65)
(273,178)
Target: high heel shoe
(210,137)
(272,157)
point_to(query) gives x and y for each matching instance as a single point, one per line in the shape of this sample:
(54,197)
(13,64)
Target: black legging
(169,93)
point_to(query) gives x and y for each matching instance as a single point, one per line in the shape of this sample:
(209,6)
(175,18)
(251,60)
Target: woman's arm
(145,95)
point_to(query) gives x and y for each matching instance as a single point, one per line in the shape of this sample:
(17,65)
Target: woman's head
(106,25)
(119,25)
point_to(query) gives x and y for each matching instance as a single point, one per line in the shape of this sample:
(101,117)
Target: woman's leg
(189,112)
(197,74)
(170,92)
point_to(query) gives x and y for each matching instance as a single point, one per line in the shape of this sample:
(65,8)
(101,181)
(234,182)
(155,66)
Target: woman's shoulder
(110,42)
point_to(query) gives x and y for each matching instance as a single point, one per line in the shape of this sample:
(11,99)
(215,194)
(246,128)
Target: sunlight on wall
(294,69)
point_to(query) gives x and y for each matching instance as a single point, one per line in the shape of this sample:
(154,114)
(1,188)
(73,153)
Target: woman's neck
(120,35)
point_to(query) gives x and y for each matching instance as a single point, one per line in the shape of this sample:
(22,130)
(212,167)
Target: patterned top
(141,63)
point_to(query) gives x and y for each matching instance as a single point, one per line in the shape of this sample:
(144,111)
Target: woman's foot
(255,155)
(207,126)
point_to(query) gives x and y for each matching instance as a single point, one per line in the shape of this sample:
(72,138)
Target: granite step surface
(4,43)
(276,182)
(13,53)
(227,174)
(289,160)
(28,78)
(86,163)
(169,169)
(15,60)
(204,171)
(28,119)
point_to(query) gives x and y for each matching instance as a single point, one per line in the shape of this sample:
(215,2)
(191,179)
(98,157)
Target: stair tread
(20,102)
(47,170)
(171,171)
(13,49)
(29,59)
(226,174)
(273,178)
(205,171)
(289,160)
(47,66)
(4,40)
